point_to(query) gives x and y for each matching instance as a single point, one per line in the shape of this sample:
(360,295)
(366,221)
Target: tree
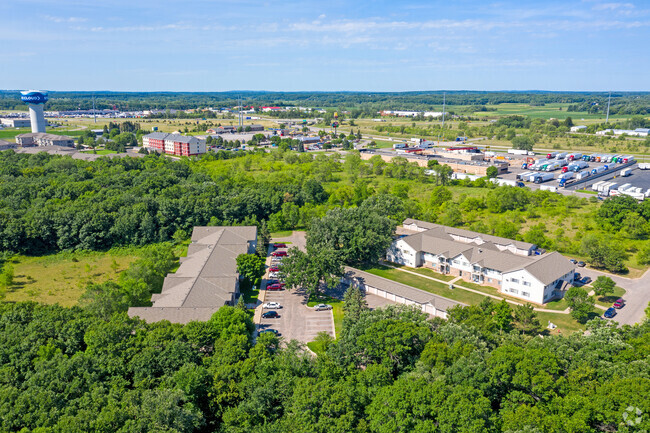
(251,266)
(442,173)
(522,142)
(580,303)
(604,254)
(432,163)
(526,319)
(603,286)
(492,172)
(312,270)
(354,304)
(358,236)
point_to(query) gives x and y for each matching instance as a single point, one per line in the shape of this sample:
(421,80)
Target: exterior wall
(427,308)
(521,284)
(400,252)
(169,146)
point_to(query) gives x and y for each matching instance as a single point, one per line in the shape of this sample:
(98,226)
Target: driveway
(636,298)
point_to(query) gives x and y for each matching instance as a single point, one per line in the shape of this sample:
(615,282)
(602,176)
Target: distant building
(639,132)
(44,139)
(5,145)
(207,278)
(578,128)
(174,144)
(227,128)
(254,128)
(16,122)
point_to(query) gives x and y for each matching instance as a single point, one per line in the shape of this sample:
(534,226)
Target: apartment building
(513,267)
(174,144)
(207,278)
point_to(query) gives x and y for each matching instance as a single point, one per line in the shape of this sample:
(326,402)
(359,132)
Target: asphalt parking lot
(297,321)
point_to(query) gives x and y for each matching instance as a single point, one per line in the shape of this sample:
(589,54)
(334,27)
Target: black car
(585,280)
(581,264)
(270,315)
(577,276)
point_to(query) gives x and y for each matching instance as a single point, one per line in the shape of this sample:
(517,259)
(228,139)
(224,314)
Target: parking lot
(297,321)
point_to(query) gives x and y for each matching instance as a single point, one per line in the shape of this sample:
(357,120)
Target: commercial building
(174,144)
(16,122)
(207,278)
(44,139)
(638,132)
(513,267)
(578,128)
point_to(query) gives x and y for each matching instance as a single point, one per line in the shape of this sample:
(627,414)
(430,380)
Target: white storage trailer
(583,175)
(597,185)
(543,177)
(626,172)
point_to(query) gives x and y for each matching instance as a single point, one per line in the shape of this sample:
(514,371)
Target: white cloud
(65,19)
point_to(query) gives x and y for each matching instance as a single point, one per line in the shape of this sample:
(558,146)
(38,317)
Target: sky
(361,45)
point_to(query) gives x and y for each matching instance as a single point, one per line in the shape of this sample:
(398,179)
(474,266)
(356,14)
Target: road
(636,298)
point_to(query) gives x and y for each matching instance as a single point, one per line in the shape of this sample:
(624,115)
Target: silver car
(321,307)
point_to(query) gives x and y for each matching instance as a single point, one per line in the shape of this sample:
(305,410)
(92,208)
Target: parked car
(270,315)
(274,275)
(279,254)
(277,259)
(271,331)
(577,276)
(620,303)
(274,269)
(611,312)
(274,287)
(269,282)
(272,306)
(279,245)
(321,307)
(585,280)
(574,261)
(581,264)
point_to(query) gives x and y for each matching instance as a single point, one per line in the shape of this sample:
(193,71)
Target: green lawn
(425,284)
(281,234)
(100,152)
(250,292)
(427,272)
(607,301)
(587,191)
(61,278)
(565,323)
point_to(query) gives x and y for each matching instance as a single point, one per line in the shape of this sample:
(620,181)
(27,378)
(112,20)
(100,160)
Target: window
(526,294)
(515,291)
(526,283)
(514,280)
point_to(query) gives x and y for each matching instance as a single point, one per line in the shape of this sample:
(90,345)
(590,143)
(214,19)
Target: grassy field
(100,152)
(61,278)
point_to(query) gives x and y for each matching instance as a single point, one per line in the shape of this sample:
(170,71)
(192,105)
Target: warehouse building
(16,122)
(207,278)
(513,267)
(44,139)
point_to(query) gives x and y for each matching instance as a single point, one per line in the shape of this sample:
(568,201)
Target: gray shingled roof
(157,135)
(177,138)
(205,280)
(399,289)
(467,233)
(549,267)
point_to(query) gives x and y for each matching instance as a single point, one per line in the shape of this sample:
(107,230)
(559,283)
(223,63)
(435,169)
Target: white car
(321,307)
(274,275)
(272,306)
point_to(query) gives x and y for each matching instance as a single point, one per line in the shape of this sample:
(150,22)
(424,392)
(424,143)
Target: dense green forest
(390,370)
(50,203)
(361,104)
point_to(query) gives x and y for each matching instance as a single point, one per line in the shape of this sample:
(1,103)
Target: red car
(279,254)
(274,269)
(274,287)
(279,245)
(620,303)
(270,282)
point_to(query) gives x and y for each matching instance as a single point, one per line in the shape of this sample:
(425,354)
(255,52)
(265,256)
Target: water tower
(35,99)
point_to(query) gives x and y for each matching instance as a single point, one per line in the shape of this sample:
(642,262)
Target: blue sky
(217,45)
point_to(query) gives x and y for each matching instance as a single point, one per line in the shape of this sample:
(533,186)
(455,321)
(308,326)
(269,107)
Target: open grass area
(251,293)
(61,278)
(565,323)
(587,191)
(281,234)
(100,152)
(608,301)
(425,271)
(427,285)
